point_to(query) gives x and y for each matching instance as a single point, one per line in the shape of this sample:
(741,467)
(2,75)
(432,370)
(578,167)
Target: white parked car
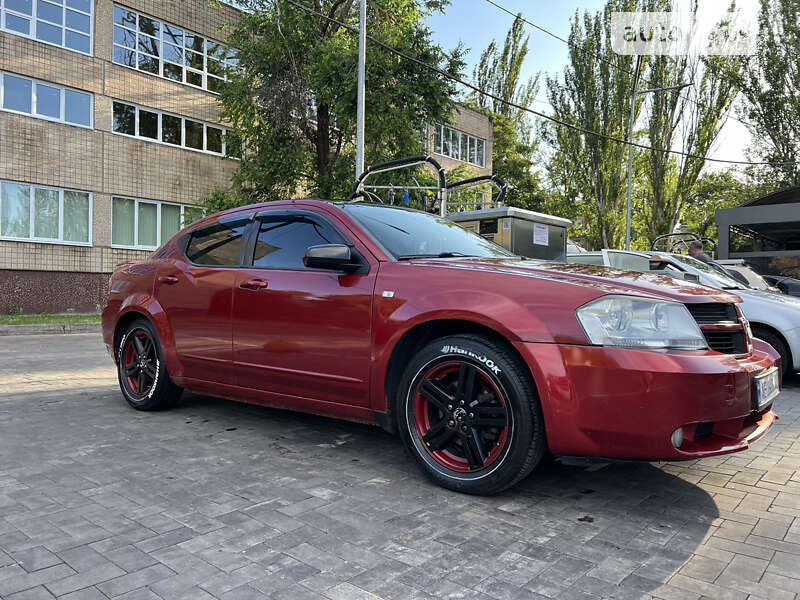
(741,272)
(774,318)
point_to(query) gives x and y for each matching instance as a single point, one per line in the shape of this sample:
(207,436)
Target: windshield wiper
(440,255)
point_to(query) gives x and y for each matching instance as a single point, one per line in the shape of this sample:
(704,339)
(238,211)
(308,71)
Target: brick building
(468,139)
(112,137)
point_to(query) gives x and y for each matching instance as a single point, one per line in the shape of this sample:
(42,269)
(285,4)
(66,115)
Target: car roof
(268,204)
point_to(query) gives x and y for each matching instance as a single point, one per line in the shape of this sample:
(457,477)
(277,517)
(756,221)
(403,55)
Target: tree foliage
(293,97)
(594,95)
(499,72)
(769,83)
(711,192)
(686,120)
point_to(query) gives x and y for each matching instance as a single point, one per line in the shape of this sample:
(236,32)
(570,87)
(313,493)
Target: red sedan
(482,361)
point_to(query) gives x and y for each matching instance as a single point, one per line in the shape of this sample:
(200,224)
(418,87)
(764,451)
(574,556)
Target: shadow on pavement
(604,529)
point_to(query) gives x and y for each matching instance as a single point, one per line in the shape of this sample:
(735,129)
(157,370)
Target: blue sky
(476,23)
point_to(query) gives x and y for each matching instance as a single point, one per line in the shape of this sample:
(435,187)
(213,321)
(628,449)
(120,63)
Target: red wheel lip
(129,359)
(422,422)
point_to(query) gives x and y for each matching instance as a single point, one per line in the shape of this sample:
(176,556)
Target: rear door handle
(254,284)
(168,279)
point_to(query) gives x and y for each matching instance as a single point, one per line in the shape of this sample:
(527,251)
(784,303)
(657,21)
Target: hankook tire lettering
(490,364)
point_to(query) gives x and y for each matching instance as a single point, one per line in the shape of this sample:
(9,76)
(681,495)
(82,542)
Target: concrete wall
(39,291)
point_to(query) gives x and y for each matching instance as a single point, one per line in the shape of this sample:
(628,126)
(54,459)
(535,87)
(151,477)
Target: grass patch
(49,319)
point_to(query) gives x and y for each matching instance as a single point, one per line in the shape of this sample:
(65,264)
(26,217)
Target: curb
(49,329)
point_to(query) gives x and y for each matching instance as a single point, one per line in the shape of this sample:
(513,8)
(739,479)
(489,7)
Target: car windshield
(753,279)
(722,279)
(407,233)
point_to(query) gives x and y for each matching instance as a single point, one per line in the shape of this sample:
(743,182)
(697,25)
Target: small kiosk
(524,232)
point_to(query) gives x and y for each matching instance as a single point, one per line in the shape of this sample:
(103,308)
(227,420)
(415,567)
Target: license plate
(768,386)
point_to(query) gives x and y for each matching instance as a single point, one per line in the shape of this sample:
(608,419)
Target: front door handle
(168,279)
(254,284)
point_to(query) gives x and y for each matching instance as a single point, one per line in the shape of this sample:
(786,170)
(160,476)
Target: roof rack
(678,243)
(363,190)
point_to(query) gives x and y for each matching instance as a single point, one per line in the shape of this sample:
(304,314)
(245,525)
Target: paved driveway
(219,500)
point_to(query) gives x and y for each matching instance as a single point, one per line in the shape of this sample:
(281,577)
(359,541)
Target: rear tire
(780,347)
(141,369)
(469,414)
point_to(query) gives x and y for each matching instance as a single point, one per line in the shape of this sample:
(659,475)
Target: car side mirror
(332,257)
(691,277)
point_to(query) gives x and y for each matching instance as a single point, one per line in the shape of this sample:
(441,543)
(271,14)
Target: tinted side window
(218,244)
(283,240)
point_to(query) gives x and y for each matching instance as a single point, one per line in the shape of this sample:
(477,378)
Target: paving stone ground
(221,500)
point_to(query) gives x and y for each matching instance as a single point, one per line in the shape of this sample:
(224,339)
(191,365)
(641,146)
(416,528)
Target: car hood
(602,279)
(778,299)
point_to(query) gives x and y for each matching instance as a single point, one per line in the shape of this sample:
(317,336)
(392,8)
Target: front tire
(141,369)
(469,414)
(779,345)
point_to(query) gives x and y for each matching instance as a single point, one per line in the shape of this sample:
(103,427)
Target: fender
(383,350)
(148,306)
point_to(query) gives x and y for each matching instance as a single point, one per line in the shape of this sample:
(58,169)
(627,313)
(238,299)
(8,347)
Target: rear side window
(586,259)
(630,262)
(219,244)
(283,240)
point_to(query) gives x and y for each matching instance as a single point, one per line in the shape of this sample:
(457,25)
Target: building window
(147,224)
(155,47)
(458,145)
(65,23)
(45,100)
(44,214)
(156,126)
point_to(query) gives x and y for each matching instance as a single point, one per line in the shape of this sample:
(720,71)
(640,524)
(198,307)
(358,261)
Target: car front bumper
(622,403)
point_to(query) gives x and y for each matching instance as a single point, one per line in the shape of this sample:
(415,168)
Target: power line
(542,115)
(613,64)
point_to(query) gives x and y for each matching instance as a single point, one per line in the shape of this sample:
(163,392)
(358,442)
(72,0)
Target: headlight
(631,322)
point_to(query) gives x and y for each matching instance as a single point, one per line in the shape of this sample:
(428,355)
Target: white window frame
(444,132)
(183,119)
(161,60)
(34,19)
(159,204)
(32,222)
(62,100)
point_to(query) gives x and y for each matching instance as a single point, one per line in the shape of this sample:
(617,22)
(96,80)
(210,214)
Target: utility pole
(630,142)
(362,67)
(630,154)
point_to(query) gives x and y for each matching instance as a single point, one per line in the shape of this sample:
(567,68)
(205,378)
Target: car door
(196,293)
(301,332)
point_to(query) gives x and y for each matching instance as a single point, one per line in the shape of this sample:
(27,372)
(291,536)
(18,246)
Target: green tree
(595,95)
(293,97)
(686,120)
(711,192)
(769,84)
(499,72)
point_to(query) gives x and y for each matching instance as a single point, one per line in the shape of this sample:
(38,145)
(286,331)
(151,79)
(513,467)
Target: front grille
(727,342)
(713,312)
